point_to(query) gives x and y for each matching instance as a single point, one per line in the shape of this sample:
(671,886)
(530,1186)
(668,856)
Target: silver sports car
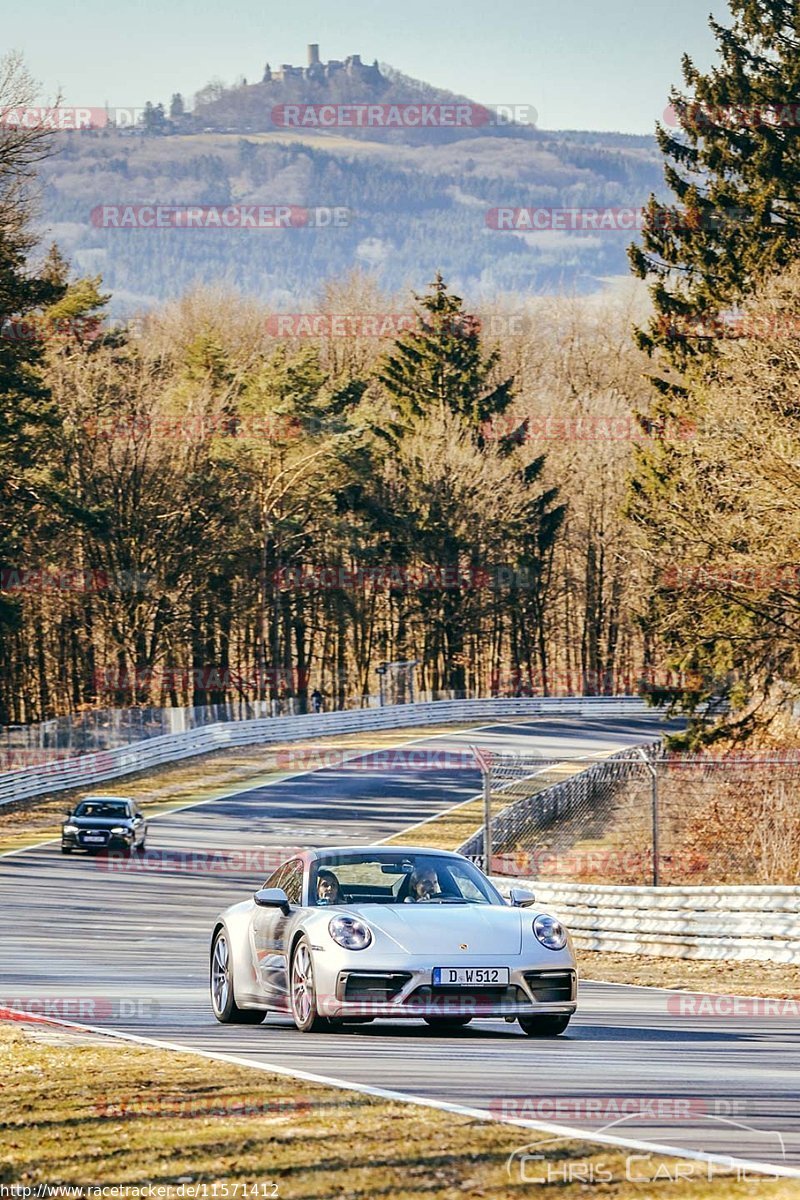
(339,936)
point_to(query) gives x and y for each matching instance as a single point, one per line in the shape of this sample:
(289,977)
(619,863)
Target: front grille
(548,987)
(378,986)
(482,997)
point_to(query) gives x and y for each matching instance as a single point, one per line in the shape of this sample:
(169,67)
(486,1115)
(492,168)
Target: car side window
(293,882)
(276,878)
(467,887)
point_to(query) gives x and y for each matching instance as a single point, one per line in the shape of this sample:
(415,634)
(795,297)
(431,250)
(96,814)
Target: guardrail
(748,922)
(89,769)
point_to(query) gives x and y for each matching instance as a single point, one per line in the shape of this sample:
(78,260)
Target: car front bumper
(72,841)
(409,994)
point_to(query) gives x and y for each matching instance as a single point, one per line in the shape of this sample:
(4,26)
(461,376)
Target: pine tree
(733,166)
(440,365)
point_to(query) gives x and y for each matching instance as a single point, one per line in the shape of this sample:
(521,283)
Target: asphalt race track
(132,946)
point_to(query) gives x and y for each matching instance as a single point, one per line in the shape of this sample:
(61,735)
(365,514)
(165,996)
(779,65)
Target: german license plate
(94,837)
(470,977)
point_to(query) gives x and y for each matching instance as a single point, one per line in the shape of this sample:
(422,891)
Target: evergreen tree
(440,365)
(733,165)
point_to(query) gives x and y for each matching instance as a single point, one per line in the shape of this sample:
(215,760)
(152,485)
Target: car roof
(102,799)
(320,854)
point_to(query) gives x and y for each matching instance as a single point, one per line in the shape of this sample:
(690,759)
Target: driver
(327,888)
(423,884)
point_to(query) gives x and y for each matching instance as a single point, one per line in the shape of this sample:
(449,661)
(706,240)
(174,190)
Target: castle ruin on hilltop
(320,71)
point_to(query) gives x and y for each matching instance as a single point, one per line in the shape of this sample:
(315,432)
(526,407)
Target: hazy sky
(588,64)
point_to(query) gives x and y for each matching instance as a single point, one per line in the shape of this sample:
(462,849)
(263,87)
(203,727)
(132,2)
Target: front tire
(303,991)
(66,849)
(543,1026)
(226,1010)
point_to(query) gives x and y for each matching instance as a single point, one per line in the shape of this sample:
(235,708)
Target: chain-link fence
(643,817)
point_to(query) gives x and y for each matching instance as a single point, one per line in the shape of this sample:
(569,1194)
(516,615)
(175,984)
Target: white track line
(463,1110)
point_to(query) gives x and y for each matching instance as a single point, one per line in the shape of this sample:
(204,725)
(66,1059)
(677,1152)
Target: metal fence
(644,817)
(111,728)
(101,729)
(57,771)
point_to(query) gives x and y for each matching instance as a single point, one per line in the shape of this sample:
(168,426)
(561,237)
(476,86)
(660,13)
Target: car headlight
(550,932)
(350,933)
(121,831)
(70,829)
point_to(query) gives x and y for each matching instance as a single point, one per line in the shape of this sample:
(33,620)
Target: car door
(269,928)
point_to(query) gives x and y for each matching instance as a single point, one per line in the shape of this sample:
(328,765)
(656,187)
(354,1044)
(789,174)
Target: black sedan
(104,823)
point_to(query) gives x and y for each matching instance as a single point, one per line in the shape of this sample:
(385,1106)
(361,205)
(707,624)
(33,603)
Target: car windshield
(401,879)
(102,808)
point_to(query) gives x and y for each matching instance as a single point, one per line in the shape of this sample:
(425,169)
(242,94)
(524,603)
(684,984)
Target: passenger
(327,888)
(424,884)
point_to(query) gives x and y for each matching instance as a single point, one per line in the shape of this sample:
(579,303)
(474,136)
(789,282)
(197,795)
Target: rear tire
(226,1010)
(543,1026)
(303,991)
(447,1022)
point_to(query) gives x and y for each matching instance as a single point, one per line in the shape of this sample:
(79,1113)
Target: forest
(227,497)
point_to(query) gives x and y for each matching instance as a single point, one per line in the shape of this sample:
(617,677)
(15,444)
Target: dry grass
(717,976)
(94,1111)
(451,829)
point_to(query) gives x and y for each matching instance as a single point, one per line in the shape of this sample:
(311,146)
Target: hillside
(416,199)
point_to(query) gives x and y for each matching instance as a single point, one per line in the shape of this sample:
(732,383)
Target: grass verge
(714,976)
(92,1111)
(451,828)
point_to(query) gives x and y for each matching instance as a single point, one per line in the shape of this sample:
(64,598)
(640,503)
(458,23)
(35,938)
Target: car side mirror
(521,898)
(67,812)
(273,898)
